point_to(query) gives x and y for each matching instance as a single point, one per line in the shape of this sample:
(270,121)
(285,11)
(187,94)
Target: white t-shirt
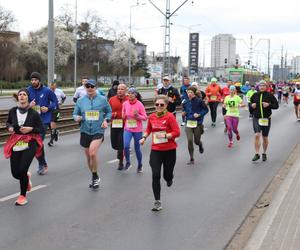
(80,92)
(21,117)
(60,95)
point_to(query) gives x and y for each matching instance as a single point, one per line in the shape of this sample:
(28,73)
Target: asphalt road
(8,102)
(201,211)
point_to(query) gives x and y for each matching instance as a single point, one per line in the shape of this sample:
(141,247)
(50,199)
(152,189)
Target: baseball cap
(166,78)
(91,82)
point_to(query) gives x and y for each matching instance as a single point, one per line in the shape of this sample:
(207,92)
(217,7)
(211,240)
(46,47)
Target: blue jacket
(184,96)
(245,89)
(97,104)
(43,96)
(195,105)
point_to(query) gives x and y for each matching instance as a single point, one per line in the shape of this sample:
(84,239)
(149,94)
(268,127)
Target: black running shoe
(264,157)
(157,206)
(201,149)
(95,183)
(50,144)
(169,183)
(256,157)
(121,166)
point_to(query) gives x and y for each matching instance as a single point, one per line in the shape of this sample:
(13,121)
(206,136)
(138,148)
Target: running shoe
(182,124)
(127,166)
(56,135)
(139,169)
(169,183)
(121,166)
(21,201)
(201,149)
(213,124)
(50,144)
(157,206)
(95,183)
(29,182)
(230,144)
(264,157)
(191,162)
(256,157)
(238,137)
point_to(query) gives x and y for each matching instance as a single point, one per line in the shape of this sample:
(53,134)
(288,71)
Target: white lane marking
(9,197)
(113,161)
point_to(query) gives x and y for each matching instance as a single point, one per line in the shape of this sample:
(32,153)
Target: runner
(214,94)
(94,113)
(25,126)
(296,94)
(80,91)
(133,113)
(194,110)
(285,93)
(279,92)
(200,93)
(44,101)
(117,125)
(262,103)
(232,103)
(184,96)
(61,97)
(113,90)
(248,96)
(225,92)
(172,93)
(164,128)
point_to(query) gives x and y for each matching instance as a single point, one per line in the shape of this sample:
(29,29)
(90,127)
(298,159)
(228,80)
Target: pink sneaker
(29,182)
(21,201)
(230,144)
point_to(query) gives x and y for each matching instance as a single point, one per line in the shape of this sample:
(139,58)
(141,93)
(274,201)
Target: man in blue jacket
(184,96)
(93,112)
(44,101)
(195,110)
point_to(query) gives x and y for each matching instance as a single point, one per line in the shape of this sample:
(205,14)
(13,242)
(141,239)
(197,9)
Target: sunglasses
(89,86)
(159,104)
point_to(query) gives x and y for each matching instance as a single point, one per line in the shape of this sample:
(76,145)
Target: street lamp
(129,44)
(75,54)
(50,43)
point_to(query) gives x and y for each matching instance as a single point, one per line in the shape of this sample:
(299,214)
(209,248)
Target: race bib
(157,140)
(117,123)
(191,124)
(263,122)
(20,146)
(37,108)
(131,123)
(213,98)
(92,115)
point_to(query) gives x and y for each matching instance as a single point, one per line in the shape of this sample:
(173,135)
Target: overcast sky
(277,20)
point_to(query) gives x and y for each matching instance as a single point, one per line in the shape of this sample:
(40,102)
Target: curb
(248,225)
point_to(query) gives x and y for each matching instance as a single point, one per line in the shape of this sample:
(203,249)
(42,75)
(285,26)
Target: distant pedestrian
(113,90)
(80,91)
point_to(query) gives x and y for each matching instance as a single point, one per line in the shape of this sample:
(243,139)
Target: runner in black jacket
(172,93)
(262,103)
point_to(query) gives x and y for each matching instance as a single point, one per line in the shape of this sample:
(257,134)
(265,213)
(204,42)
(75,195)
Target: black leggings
(116,138)
(157,159)
(213,110)
(20,162)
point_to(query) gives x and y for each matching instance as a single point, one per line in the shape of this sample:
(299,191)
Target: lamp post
(50,43)
(129,44)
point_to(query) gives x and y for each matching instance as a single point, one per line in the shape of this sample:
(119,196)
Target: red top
(116,106)
(214,93)
(225,92)
(166,123)
(14,138)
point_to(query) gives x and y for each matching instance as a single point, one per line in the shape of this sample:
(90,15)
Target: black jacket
(266,97)
(33,119)
(173,93)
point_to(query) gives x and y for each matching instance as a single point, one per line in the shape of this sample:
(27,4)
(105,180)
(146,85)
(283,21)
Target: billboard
(193,53)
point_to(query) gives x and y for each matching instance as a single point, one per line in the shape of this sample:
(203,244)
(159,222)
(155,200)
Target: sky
(263,19)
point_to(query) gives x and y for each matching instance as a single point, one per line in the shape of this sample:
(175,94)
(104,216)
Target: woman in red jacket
(164,128)
(25,126)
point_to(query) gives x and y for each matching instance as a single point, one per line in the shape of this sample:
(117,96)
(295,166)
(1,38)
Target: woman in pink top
(133,113)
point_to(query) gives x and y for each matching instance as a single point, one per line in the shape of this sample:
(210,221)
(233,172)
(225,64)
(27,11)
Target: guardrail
(65,123)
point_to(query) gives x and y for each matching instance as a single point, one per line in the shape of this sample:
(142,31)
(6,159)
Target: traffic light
(225,60)
(236,63)
(248,62)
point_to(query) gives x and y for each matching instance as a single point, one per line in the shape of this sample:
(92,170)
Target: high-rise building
(295,65)
(223,51)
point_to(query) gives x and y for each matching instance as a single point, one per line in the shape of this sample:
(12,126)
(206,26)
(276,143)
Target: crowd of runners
(122,109)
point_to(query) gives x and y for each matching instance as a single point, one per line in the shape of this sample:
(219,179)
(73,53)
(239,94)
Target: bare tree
(65,18)
(6,19)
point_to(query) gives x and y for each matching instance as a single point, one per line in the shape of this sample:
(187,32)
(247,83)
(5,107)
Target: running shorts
(261,129)
(85,139)
(55,115)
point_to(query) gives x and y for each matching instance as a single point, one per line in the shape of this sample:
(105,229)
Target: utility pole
(75,52)
(50,44)
(167,36)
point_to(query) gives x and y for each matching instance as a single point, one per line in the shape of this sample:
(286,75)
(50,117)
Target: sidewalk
(279,227)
